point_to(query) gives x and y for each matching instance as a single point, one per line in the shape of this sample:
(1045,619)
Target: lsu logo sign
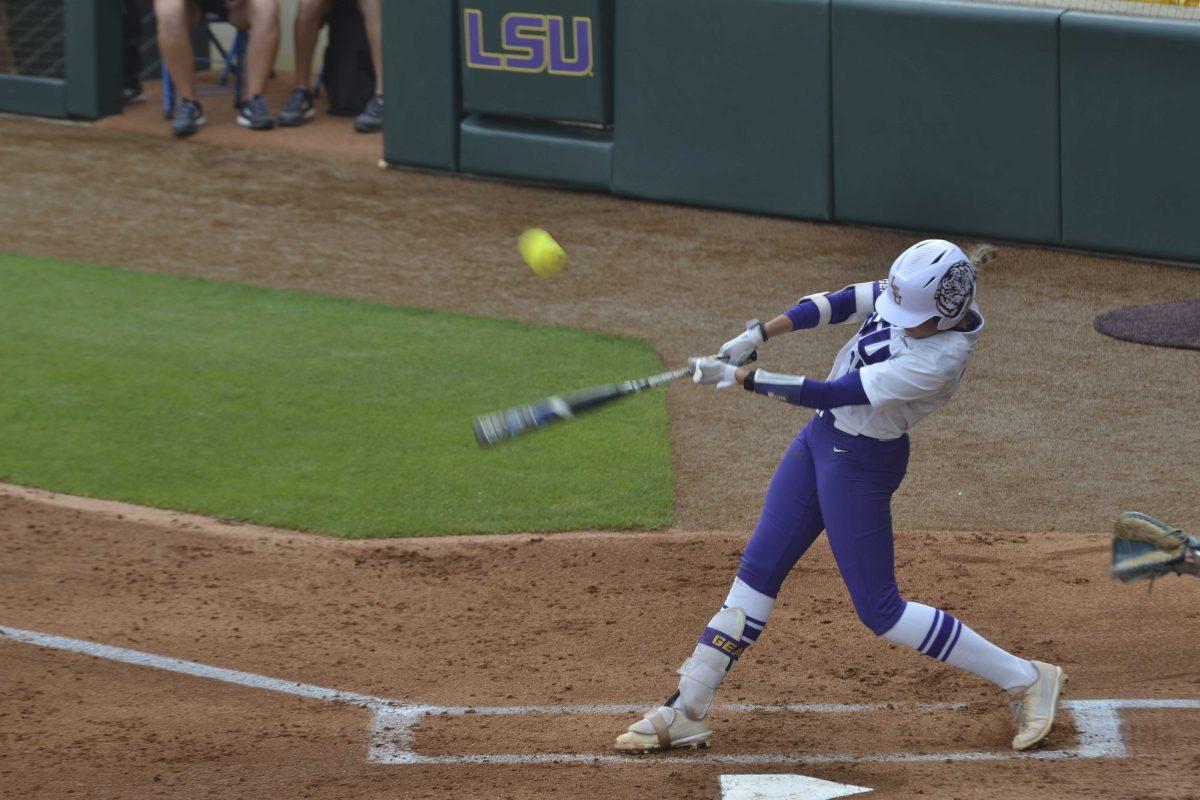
(531,43)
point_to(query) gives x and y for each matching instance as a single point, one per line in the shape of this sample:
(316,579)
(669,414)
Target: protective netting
(31,38)
(1167,9)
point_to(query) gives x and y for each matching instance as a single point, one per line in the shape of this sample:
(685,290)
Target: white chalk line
(192,668)
(1097,722)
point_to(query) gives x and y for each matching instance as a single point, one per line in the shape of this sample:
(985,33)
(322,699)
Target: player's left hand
(710,370)
(743,348)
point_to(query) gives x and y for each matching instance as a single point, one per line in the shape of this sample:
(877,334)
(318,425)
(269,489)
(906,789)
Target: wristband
(748,383)
(758,327)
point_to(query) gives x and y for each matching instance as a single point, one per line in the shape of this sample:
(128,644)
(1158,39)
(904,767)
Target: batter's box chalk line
(392,739)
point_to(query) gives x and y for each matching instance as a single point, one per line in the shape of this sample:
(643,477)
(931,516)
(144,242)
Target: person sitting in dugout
(259,17)
(310,16)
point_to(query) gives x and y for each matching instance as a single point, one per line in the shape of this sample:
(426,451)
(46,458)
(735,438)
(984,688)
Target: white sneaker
(663,729)
(1035,707)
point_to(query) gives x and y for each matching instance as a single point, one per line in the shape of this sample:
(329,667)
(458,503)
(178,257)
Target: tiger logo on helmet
(955,290)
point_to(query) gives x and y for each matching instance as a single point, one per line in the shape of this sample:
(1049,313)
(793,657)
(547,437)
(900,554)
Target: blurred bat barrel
(498,426)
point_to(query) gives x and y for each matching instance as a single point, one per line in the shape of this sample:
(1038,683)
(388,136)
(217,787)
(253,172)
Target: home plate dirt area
(153,654)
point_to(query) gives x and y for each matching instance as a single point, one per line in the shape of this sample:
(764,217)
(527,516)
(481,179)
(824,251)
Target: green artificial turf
(312,412)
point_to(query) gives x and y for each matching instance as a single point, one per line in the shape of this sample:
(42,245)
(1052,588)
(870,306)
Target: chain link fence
(32,41)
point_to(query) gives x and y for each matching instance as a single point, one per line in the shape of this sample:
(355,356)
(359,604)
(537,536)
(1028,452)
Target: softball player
(917,331)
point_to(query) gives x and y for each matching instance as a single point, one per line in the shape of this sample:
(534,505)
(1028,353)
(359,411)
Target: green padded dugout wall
(536,151)
(420,67)
(723,103)
(945,117)
(1131,135)
(93,39)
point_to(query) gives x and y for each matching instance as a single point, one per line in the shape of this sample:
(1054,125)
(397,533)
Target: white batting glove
(709,371)
(743,347)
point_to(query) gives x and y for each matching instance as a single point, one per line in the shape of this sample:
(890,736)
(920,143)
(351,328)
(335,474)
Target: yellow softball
(543,255)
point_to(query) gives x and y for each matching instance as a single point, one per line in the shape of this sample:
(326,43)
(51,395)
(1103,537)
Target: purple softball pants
(841,483)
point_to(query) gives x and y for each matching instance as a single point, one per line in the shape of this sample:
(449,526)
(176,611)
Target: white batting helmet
(933,278)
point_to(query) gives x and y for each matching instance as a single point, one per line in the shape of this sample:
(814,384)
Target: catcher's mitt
(1143,547)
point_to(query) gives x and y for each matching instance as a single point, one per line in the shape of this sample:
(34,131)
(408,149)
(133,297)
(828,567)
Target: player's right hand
(743,348)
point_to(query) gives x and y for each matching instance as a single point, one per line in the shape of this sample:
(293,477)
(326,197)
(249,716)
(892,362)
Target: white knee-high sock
(939,635)
(756,605)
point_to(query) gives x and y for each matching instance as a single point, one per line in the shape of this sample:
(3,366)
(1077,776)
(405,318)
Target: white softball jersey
(905,379)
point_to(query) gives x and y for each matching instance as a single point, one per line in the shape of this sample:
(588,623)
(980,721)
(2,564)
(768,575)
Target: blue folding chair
(234,64)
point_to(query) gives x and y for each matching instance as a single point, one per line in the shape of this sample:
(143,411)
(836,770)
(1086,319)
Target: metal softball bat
(498,426)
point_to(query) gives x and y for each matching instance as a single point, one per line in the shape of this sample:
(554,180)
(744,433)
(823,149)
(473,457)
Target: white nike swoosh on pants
(840,450)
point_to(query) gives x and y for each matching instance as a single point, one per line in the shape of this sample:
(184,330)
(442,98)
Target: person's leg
(856,487)
(856,477)
(310,15)
(787,526)
(262,20)
(299,108)
(372,15)
(173,17)
(855,483)
(939,635)
(371,118)
(131,55)
(790,521)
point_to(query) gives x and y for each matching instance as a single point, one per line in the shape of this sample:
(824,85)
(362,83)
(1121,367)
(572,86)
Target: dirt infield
(516,620)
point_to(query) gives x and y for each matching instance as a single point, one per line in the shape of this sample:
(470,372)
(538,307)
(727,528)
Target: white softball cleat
(683,721)
(1035,707)
(664,728)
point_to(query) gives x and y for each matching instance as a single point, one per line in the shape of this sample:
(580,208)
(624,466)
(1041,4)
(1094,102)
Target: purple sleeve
(845,391)
(806,315)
